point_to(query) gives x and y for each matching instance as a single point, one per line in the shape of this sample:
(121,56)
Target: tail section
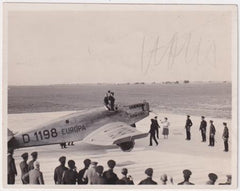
(11,141)
(10,135)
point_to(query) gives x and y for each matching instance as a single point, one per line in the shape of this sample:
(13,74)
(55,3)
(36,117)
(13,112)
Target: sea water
(209,99)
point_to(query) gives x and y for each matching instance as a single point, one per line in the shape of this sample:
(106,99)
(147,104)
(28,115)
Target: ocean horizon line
(124,83)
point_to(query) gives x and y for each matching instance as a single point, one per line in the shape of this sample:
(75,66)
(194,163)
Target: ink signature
(178,47)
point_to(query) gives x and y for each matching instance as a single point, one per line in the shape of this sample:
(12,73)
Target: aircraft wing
(114,133)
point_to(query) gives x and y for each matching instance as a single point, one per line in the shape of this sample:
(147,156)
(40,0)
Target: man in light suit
(35,175)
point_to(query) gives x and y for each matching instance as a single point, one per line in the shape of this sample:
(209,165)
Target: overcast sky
(64,47)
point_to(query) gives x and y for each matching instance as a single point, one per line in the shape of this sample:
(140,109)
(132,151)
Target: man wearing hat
(70,175)
(34,158)
(186,174)
(12,171)
(125,179)
(157,126)
(35,176)
(148,180)
(212,178)
(81,173)
(98,177)
(212,132)
(188,128)
(225,136)
(152,131)
(58,172)
(111,100)
(109,175)
(90,172)
(203,129)
(24,167)
(106,102)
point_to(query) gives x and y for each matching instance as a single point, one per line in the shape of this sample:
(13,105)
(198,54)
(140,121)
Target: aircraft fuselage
(76,126)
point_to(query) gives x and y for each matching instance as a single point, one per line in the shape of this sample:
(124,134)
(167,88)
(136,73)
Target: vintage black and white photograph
(119,96)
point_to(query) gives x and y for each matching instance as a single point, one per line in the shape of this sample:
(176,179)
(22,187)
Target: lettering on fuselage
(26,138)
(51,133)
(40,135)
(74,129)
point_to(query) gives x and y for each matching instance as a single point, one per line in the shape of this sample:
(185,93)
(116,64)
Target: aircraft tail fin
(10,135)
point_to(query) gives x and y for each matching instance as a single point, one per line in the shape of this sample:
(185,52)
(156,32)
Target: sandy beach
(171,156)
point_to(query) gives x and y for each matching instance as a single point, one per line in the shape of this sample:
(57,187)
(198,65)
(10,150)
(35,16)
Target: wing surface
(114,133)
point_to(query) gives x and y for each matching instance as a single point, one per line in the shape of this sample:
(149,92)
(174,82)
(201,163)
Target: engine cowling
(127,146)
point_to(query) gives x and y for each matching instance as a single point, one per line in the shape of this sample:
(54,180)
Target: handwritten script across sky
(178,50)
(64,44)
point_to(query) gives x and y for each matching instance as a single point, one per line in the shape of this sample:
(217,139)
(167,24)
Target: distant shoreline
(133,83)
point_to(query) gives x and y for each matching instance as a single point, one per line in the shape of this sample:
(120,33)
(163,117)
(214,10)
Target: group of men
(212,179)
(109,100)
(30,172)
(154,131)
(92,173)
(212,132)
(186,175)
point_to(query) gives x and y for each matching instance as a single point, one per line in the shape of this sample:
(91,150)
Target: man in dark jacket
(212,179)
(58,172)
(106,101)
(188,128)
(212,132)
(98,177)
(152,131)
(225,136)
(186,174)
(24,167)
(158,126)
(148,180)
(112,101)
(109,175)
(34,158)
(125,179)
(81,173)
(70,176)
(12,171)
(203,129)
